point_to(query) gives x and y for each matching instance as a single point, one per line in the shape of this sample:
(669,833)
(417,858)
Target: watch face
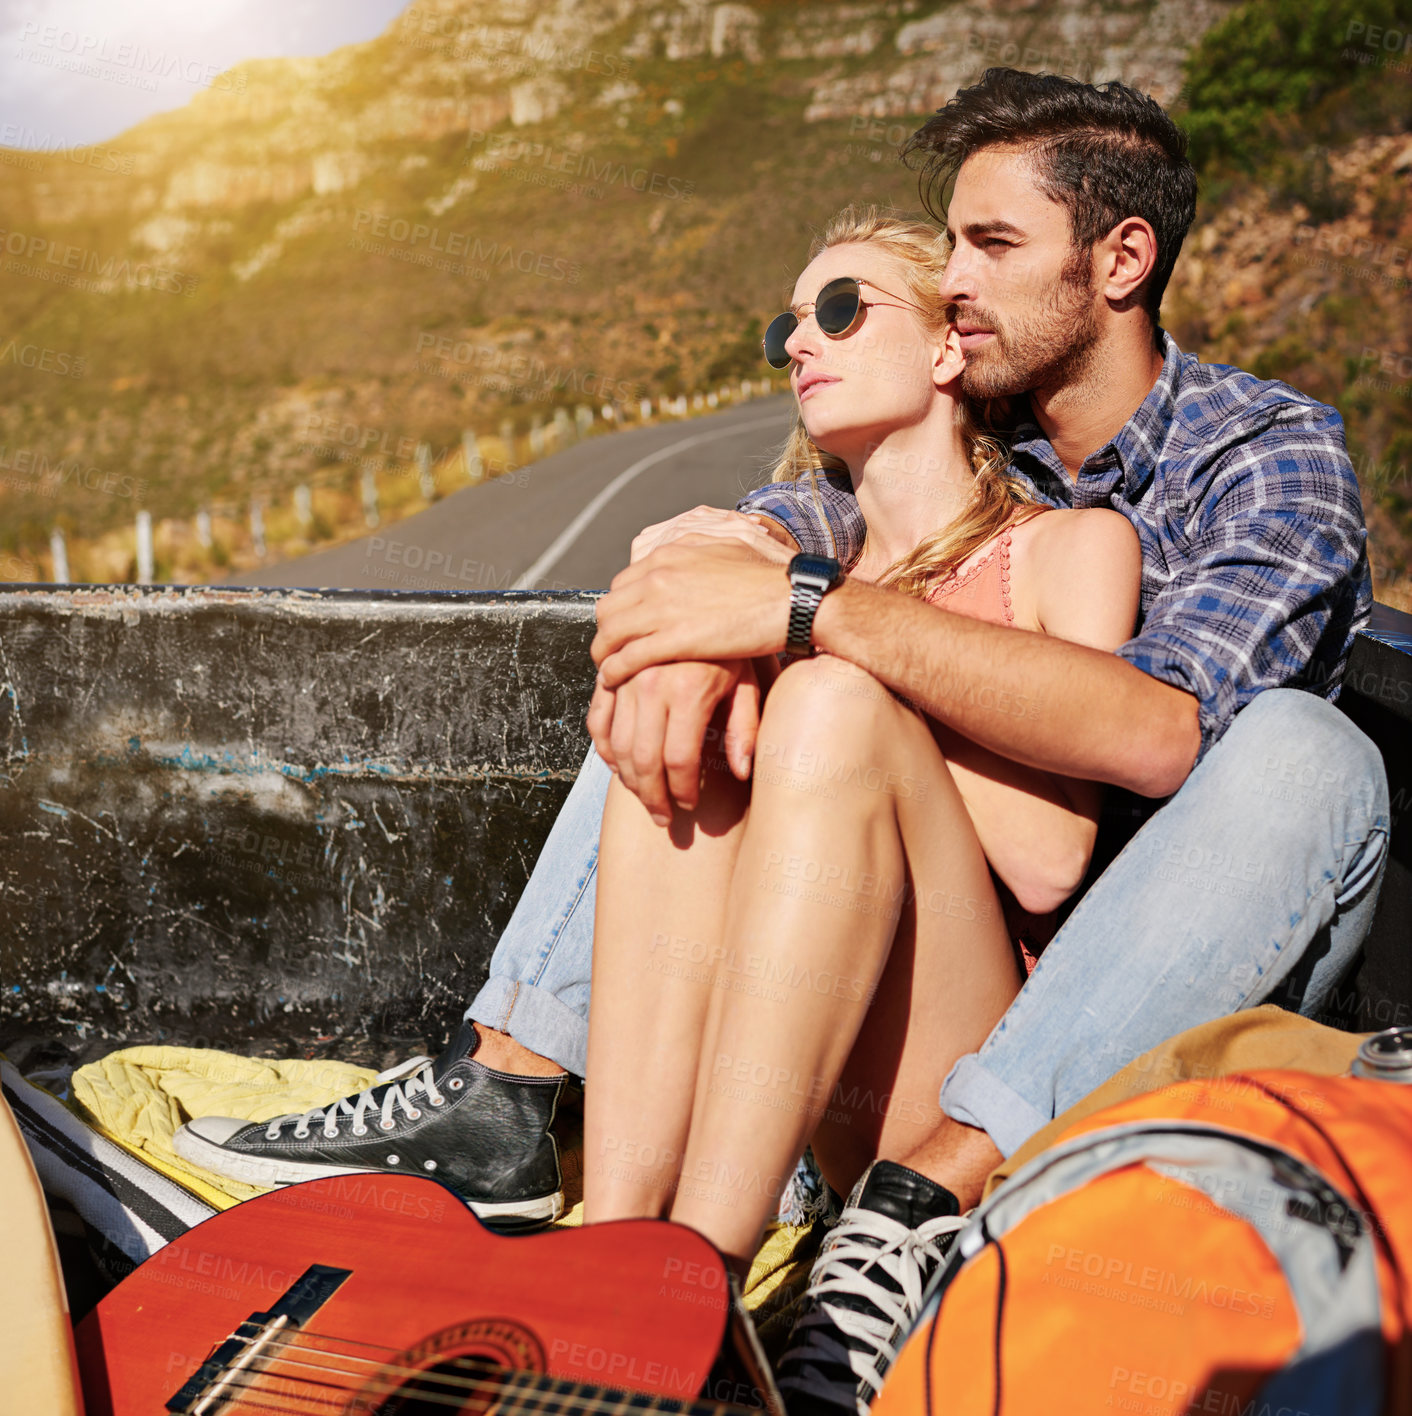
(823,568)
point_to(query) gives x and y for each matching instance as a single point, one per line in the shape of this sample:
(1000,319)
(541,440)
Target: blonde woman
(805,955)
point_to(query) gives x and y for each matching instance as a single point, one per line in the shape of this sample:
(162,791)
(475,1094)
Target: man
(1069,207)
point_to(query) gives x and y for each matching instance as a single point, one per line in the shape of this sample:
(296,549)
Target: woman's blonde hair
(996,493)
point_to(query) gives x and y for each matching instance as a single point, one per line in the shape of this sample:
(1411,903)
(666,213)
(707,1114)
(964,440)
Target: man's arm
(822,518)
(1040,701)
(1273,585)
(1062,707)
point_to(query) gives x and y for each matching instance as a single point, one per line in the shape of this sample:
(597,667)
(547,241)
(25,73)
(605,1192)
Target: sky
(78,72)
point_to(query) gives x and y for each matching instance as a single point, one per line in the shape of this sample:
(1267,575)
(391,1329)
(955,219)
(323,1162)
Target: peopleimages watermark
(1368,258)
(543,164)
(792,761)
(327,433)
(492,363)
(751,972)
(43,360)
(15,569)
(842,885)
(298,862)
(42,145)
(510,47)
(711,1181)
(1122,1280)
(1377,44)
(124,62)
(30,470)
(1386,369)
(495,257)
(43,258)
(1378,474)
(437,567)
(394,454)
(785,1088)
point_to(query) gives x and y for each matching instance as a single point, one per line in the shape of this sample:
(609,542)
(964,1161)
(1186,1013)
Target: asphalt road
(565,522)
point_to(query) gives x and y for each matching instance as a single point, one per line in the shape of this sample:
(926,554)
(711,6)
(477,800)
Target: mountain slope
(493,210)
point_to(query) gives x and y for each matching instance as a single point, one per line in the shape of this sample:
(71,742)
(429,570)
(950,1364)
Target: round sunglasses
(837,308)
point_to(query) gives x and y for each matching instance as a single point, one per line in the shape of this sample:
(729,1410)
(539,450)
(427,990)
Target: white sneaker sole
(257,1170)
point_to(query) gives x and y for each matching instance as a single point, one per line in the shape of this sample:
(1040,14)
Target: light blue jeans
(1255,883)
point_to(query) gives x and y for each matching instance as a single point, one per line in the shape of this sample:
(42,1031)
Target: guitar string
(545,1382)
(424,1395)
(523,1397)
(537,1393)
(375,1390)
(363,1396)
(360,1397)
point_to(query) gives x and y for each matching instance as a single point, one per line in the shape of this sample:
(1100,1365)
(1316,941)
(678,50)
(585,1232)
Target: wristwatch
(810,579)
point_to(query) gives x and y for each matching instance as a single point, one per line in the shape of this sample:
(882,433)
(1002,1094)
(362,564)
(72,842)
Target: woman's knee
(828,691)
(825,705)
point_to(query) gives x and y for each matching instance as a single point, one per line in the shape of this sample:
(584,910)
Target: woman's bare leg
(853,810)
(923,1018)
(656,946)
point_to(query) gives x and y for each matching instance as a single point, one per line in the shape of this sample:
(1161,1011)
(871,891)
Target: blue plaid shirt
(1254,572)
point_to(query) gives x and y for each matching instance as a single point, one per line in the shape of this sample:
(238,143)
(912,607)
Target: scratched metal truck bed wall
(229,814)
(1377,695)
(272,817)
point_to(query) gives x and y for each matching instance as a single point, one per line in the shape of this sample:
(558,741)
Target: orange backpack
(1239,1245)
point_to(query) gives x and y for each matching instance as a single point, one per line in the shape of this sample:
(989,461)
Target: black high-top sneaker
(485,1133)
(865,1290)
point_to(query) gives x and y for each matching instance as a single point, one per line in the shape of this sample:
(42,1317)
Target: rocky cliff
(495,209)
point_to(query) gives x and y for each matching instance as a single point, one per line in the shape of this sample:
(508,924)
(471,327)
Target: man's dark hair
(1104,152)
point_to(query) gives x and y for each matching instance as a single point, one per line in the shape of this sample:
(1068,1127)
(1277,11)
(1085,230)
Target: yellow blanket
(139,1096)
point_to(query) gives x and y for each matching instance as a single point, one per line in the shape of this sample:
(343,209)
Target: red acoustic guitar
(383,1294)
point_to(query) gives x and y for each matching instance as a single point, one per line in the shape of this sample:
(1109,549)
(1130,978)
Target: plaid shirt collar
(1131,455)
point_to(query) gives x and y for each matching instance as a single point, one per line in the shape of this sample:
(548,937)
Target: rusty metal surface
(228,812)
(298,820)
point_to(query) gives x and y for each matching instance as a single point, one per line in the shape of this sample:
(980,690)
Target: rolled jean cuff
(535,1018)
(975,1097)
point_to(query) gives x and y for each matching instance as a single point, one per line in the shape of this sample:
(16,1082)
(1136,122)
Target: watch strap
(810,579)
(804,602)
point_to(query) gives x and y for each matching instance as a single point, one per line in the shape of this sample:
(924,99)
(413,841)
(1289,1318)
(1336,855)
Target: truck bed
(295,822)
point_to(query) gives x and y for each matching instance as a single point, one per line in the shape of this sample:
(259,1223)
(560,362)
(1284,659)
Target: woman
(806,954)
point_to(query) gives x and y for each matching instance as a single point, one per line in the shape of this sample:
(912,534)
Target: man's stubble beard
(1047,349)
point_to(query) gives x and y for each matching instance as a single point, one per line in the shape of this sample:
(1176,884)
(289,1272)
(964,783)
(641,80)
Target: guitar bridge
(251,1346)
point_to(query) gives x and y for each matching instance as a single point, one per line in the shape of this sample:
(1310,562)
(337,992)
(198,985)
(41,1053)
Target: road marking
(579,524)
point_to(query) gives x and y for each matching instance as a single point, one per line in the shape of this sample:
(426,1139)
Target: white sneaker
(865,1290)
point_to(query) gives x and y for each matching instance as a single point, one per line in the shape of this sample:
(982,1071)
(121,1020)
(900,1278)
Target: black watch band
(810,579)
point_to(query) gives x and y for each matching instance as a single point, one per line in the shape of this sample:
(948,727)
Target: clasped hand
(676,635)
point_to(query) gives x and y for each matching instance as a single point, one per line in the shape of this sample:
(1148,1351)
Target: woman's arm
(1075,575)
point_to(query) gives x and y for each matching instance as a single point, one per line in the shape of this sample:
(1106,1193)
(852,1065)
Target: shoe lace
(863,1244)
(403,1084)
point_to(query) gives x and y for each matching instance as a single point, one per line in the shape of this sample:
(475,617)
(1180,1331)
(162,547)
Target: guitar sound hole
(460,1371)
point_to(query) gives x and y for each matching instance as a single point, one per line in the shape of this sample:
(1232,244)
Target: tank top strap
(983,590)
(1005,574)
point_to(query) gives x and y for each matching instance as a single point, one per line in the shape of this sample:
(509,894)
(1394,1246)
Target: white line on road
(579,524)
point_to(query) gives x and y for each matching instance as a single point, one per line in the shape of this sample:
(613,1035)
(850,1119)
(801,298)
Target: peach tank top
(982,590)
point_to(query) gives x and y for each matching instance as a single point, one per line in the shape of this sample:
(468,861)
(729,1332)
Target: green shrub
(1272,58)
